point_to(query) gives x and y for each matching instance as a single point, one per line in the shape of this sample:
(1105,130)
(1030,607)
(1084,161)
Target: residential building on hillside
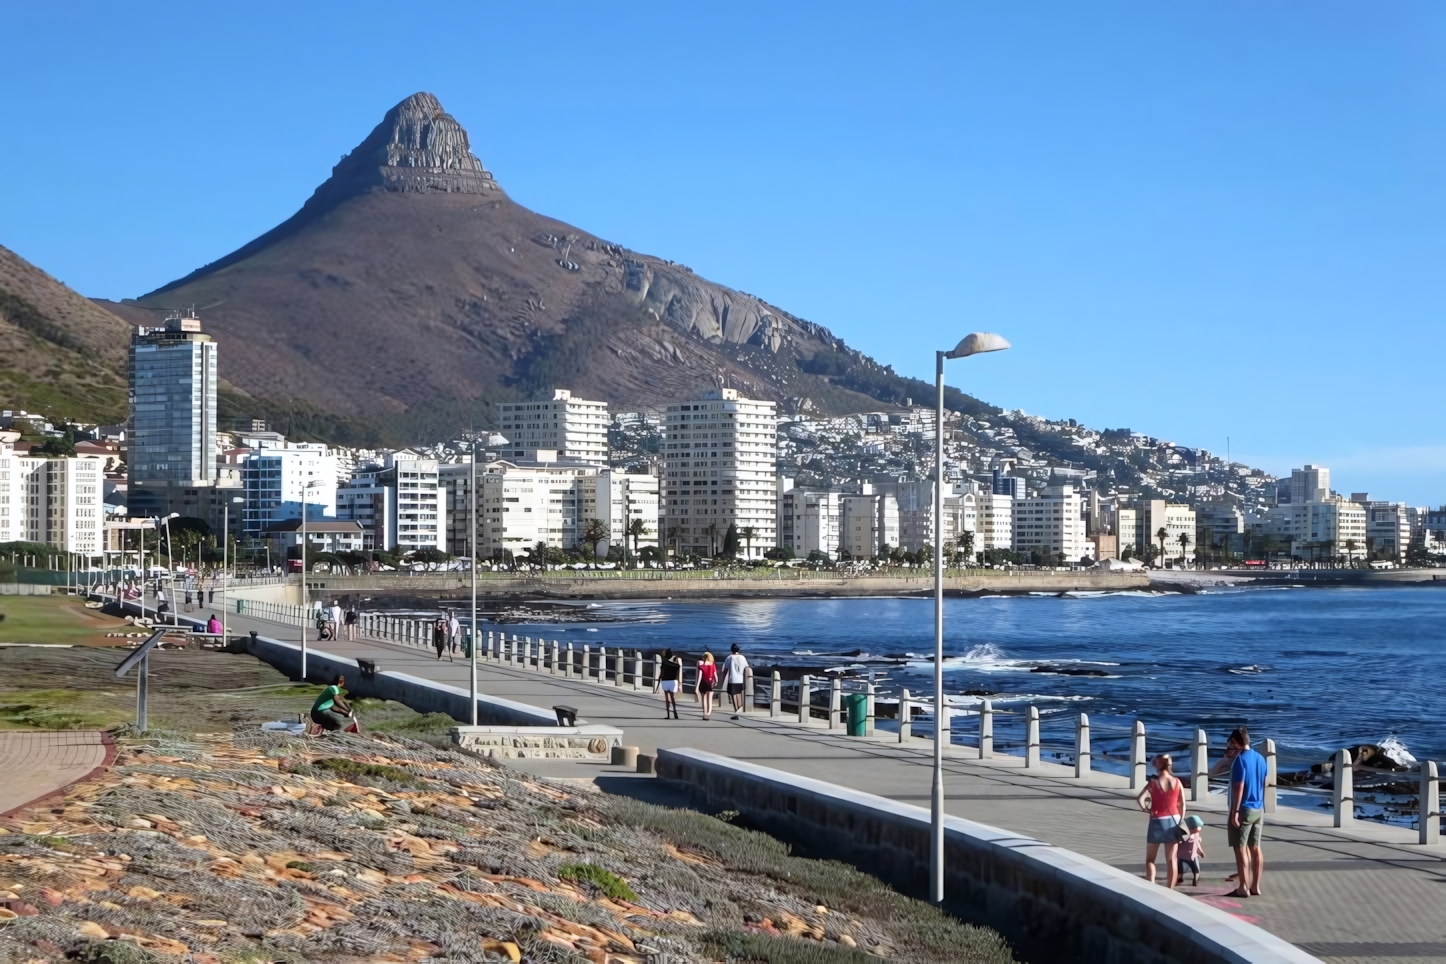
(618,500)
(719,469)
(576,429)
(1320,532)
(1310,484)
(988,516)
(1052,523)
(527,502)
(171,431)
(1127,529)
(1388,528)
(915,502)
(1220,524)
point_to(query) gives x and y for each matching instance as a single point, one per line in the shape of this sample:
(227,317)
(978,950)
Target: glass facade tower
(172,428)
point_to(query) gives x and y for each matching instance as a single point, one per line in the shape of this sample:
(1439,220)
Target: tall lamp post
(170,565)
(225,565)
(309,485)
(492,440)
(973,344)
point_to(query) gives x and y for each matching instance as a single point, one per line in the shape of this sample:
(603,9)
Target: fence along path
(1353,893)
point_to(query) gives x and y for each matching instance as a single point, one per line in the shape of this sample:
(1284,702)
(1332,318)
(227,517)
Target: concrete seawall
(1053,904)
(653,585)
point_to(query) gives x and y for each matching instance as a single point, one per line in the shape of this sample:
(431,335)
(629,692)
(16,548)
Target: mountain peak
(418,147)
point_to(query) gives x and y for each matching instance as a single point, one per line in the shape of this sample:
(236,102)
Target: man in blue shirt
(1247,813)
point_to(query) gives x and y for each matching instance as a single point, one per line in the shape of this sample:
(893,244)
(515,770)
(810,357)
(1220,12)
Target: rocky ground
(244,845)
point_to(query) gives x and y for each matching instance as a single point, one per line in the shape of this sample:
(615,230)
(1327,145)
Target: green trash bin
(857,707)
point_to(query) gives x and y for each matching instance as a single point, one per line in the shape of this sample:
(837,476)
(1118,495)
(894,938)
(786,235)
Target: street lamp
(973,344)
(170,566)
(225,566)
(309,485)
(493,440)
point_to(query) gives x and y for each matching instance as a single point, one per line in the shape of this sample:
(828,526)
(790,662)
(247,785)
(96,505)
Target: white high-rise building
(720,469)
(1053,523)
(277,478)
(1310,484)
(1177,520)
(809,519)
(618,500)
(1388,528)
(524,503)
(989,516)
(576,429)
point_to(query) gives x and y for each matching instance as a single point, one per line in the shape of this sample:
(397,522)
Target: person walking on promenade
(1247,814)
(333,619)
(670,680)
(454,631)
(735,670)
(439,637)
(1166,808)
(352,617)
(707,681)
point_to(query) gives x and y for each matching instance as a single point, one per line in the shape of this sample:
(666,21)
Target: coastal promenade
(1369,894)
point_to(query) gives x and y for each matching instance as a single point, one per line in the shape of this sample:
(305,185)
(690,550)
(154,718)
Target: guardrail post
(804,698)
(1137,756)
(657,668)
(1430,819)
(1343,794)
(618,668)
(1031,738)
(775,697)
(511,646)
(556,648)
(1199,767)
(1270,781)
(750,698)
(906,718)
(567,666)
(637,670)
(1082,745)
(869,712)
(835,702)
(986,729)
(586,661)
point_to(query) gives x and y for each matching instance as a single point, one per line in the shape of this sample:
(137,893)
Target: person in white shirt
(454,630)
(735,669)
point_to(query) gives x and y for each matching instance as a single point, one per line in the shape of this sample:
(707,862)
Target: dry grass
(253,847)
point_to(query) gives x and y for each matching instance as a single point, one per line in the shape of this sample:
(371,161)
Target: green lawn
(55,619)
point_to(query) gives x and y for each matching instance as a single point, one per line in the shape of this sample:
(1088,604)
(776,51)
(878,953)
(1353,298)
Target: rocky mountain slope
(410,293)
(59,353)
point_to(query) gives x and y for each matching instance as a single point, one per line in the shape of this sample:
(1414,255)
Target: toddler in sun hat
(1192,848)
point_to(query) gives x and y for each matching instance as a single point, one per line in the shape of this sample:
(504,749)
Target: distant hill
(60,354)
(410,293)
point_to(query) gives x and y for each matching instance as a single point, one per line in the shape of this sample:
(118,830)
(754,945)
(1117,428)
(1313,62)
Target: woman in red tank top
(1166,807)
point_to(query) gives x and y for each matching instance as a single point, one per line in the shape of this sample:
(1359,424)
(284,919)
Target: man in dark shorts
(735,675)
(1247,814)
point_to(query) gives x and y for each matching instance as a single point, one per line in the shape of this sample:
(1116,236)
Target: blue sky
(1201,222)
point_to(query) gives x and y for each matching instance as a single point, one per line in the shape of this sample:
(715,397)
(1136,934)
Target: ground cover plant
(254,846)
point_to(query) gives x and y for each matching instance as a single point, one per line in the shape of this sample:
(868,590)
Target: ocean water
(1314,669)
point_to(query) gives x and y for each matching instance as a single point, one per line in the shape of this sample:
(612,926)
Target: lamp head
(495,440)
(976,343)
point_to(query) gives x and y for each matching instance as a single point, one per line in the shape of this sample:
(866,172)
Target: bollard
(527,659)
(1199,767)
(906,718)
(775,698)
(1343,795)
(625,756)
(986,730)
(835,702)
(1137,756)
(618,668)
(804,698)
(657,668)
(567,666)
(647,763)
(586,661)
(869,712)
(1269,776)
(1430,819)
(511,646)
(750,693)
(602,664)
(1082,745)
(637,670)
(552,657)
(1031,739)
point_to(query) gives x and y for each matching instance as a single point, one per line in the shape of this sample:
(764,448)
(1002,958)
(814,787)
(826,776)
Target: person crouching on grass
(331,711)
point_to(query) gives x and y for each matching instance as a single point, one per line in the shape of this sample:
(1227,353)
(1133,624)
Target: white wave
(1251,670)
(1396,751)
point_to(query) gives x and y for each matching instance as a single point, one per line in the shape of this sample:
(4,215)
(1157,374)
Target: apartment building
(1127,529)
(1322,531)
(620,500)
(399,503)
(576,429)
(278,477)
(809,519)
(868,524)
(719,455)
(58,501)
(1177,520)
(1220,524)
(1052,522)
(527,502)
(1388,527)
(915,501)
(986,514)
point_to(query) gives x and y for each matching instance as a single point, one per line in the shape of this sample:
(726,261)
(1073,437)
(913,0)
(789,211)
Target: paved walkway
(37,763)
(1354,897)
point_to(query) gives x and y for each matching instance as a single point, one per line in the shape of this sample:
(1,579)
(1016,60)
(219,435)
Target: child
(1192,848)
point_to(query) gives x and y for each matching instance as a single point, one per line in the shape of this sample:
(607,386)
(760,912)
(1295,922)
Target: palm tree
(595,531)
(637,529)
(1162,535)
(713,538)
(1351,550)
(747,532)
(673,539)
(1184,545)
